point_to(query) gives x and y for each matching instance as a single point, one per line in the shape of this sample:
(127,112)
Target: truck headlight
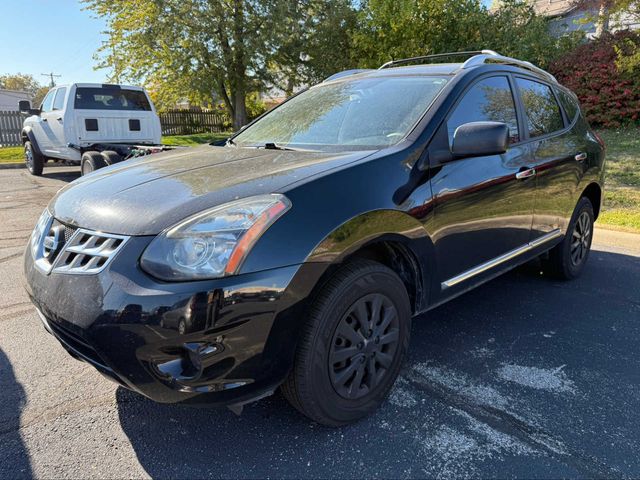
(212,243)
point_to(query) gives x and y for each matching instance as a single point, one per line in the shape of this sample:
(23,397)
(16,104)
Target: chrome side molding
(501,259)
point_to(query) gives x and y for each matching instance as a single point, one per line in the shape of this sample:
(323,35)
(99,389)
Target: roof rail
(493,57)
(438,55)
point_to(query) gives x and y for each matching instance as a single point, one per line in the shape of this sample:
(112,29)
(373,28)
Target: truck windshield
(96,98)
(369,113)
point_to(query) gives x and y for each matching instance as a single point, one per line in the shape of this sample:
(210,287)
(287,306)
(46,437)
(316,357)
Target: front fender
(28,132)
(392,226)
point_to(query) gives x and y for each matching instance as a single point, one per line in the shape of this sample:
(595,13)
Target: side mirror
(25,107)
(476,139)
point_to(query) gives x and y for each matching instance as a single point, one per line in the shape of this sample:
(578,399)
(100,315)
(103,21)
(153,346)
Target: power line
(51,75)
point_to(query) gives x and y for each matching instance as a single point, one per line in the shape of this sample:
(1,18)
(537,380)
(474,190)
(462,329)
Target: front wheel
(568,258)
(33,160)
(353,345)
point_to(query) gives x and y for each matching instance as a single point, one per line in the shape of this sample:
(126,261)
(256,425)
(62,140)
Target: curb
(8,166)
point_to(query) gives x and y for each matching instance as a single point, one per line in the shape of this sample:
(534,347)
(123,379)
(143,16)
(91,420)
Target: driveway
(522,377)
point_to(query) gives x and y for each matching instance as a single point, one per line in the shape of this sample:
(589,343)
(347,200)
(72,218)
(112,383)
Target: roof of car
(476,59)
(99,85)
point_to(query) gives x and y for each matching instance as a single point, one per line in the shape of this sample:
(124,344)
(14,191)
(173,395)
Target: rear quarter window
(541,108)
(110,99)
(569,105)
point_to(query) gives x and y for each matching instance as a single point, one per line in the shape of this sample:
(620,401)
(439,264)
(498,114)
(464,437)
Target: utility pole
(51,75)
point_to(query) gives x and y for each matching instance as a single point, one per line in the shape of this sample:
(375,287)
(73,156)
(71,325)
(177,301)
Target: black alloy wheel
(363,346)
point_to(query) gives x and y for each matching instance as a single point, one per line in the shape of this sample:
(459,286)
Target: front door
(483,205)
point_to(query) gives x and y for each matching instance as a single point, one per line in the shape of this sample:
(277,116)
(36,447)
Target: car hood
(146,195)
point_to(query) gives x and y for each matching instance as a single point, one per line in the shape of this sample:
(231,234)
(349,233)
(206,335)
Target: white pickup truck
(90,124)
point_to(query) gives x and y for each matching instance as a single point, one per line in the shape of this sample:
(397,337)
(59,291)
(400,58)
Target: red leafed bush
(609,96)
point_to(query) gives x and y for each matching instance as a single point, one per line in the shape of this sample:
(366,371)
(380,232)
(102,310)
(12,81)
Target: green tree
(20,81)
(211,49)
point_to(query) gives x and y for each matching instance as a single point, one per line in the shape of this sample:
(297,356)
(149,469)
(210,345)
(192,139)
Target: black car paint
(401,205)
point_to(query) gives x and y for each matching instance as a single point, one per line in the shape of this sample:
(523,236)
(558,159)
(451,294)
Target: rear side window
(569,104)
(47,103)
(491,100)
(541,108)
(110,99)
(58,103)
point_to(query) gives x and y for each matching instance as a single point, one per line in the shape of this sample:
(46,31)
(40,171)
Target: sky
(42,36)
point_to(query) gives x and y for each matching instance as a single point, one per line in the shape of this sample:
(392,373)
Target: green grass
(197,139)
(11,155)
(622,183)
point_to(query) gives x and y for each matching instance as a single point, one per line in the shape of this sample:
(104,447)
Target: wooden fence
(187,122)
(10,128)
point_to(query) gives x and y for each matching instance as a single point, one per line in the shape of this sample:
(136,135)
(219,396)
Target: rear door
(483,210)
(112,114)
(557,149)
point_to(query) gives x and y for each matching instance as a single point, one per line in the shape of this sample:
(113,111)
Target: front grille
(88,252)
(66,249)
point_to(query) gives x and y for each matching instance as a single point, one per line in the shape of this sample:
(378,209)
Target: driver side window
(489,100)
(47,103)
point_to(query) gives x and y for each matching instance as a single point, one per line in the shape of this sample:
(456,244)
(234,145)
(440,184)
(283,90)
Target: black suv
(295,255)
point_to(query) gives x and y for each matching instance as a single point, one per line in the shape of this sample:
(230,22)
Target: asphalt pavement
(522,377)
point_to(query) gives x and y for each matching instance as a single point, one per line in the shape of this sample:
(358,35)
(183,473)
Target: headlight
(212,243)
(40,230)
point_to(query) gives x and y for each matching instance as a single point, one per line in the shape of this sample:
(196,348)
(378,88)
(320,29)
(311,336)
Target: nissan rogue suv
(296,255)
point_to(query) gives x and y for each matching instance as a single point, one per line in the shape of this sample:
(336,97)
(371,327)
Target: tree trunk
(602,25)
(239,109)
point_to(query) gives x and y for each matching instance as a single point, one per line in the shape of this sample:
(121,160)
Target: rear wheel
(90,162)
(33,160)
(353,345)
(111,157)
(568,258)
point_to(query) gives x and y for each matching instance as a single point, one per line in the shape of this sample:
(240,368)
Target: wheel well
(24,137)
(594,193)
(401,260)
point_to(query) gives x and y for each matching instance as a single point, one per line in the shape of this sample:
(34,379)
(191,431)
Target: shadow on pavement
(14,459)
(62,175)
(463,416)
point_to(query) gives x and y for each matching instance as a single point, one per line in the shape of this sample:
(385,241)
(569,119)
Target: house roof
(553,8)
(547,8)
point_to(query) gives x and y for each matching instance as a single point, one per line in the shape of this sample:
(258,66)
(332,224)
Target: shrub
(610,96)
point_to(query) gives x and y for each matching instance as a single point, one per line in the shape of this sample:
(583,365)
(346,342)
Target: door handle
(581,157)
(528,173)
(44,120)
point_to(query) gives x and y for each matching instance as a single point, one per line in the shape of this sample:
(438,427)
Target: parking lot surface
(524,377)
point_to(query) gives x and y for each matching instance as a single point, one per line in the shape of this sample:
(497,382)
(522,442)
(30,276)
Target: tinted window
(347,115)
(110,99)
(58,103)
(541,108)
(491,100)
(48,101)
(569,104)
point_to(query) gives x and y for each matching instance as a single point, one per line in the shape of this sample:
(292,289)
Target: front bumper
(223,341)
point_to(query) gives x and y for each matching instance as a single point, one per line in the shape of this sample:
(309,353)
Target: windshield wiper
(275,146)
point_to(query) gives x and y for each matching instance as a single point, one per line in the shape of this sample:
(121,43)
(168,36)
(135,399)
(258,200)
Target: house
(565,17)
(9,99)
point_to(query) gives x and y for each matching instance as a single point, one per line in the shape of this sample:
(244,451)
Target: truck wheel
(352,346)
(90,162)
(567,259)
(33,160)
(111,157)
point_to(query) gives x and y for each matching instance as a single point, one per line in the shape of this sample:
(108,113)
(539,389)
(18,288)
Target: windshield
(371,113)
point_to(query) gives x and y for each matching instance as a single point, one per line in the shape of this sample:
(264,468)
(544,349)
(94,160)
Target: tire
(33,160)
(90,162)
(567,259)
(331,380)
(110,157)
